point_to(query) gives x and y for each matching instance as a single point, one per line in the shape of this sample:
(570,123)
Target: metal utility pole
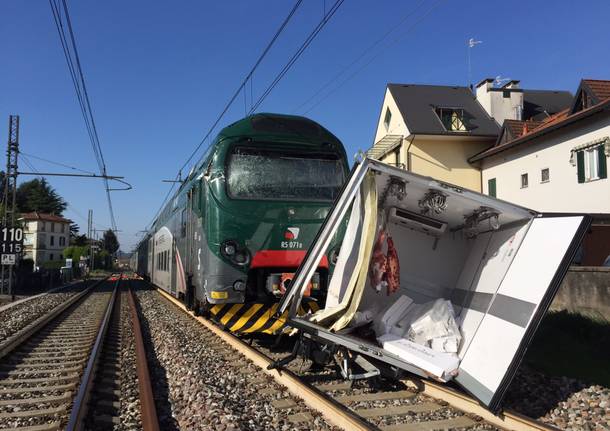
(10,190)
(90,236)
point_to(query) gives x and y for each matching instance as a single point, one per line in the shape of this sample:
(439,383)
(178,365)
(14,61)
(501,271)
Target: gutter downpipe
(407,153)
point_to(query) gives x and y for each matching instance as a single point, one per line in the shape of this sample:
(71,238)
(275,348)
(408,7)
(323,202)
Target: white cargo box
(499,264)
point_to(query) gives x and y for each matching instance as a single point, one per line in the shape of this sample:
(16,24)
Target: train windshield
(254,173)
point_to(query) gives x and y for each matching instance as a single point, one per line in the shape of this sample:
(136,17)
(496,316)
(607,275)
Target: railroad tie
(382,396)
(398,410)
(284,403)
(443,424)
(341,386)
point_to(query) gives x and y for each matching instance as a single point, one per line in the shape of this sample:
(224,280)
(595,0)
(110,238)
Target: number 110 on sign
(12,234)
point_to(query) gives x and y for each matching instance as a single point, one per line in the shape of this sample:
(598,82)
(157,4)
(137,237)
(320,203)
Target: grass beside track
(572,345)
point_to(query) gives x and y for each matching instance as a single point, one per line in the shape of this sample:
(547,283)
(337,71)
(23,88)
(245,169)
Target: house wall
(446,159)
(37,240)
(441,157)
(397,123)
(562,193)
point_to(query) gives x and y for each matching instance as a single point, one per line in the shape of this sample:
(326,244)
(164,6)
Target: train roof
(265,124)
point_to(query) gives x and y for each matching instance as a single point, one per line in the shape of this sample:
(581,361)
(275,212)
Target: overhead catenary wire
(361,55)
(69,46)
(374,57)
(327,16)
(25,159)
(21,153)
(244,82)
(230,102)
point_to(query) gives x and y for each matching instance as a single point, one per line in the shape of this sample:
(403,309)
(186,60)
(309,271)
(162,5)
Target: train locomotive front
(231,239)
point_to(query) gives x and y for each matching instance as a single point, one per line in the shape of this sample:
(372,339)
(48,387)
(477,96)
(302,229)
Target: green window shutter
(580,164)
(491,187)
(603,168)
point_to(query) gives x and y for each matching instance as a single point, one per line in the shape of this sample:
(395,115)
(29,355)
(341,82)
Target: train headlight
(231,250)
(241,257)
(228,248)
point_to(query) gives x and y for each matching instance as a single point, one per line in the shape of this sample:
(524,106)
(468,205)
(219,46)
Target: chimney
(483,94)
(503,103)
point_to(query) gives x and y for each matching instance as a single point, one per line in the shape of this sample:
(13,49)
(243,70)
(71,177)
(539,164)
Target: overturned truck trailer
(433,279)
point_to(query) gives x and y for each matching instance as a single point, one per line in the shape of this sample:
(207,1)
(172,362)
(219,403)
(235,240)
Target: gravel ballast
(560,401)
(18,317)
(209,386)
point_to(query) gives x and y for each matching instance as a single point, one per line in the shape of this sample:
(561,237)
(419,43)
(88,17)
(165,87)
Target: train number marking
(291,244)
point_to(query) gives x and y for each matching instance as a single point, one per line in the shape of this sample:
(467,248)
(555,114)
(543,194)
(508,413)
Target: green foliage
(75,252)
(110,242)
(38,195)
(103,260)
(79,240)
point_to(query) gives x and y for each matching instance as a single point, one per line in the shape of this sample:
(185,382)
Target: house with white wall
(45,237)
(556,164)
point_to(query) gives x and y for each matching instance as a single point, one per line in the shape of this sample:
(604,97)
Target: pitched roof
(600,88)
(561,119)
(417,104)
(517,128)
(539,104)
(45,217)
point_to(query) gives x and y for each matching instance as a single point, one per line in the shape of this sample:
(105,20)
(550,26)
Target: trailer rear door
(496,350)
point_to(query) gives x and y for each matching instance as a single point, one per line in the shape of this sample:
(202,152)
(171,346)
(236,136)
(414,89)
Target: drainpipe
(407,155)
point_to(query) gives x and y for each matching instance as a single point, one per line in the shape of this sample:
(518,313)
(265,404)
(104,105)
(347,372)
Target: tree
(79,240)
(38,195)
(110,242)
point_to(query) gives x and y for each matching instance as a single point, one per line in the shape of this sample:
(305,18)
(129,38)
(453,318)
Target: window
(591,164)
(52,240)
(387,119)
(63,228)
(62,241)
(52,227)
(50,256)
(491,187)
(42,226)
(265,174)
(506,94)
(545,176)
(452,119)
(524,181)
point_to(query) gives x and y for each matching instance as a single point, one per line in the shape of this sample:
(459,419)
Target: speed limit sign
(11,243)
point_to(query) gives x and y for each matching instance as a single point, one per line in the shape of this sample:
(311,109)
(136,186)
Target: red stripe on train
(281,258)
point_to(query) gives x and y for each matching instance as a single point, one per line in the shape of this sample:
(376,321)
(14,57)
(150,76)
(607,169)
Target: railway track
(63,370)
(399,405)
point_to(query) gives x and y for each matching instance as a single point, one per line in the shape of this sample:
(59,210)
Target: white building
(45,237)
(558,164)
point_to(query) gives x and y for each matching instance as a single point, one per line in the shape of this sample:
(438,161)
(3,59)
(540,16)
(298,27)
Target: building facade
(558,164)
(555,165)
(45,237)
(434,130)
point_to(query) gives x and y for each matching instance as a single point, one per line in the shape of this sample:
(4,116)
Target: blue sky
(159,73)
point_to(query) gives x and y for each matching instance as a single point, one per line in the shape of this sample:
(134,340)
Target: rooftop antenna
(472,42)
(499,81)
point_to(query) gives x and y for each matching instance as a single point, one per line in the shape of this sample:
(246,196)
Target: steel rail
(333,411)
(79,407)
(341,416)
(24,334)
(150,421)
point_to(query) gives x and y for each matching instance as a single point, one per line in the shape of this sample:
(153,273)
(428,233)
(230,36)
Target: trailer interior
(436,280)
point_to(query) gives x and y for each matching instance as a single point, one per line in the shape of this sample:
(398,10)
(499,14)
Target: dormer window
(387,119)
(452,119)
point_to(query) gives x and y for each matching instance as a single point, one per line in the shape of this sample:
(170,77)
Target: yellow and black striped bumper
(255,317)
